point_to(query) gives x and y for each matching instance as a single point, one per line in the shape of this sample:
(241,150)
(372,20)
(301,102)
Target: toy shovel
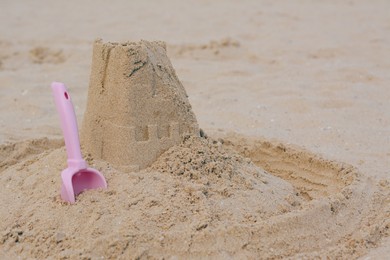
(77,177)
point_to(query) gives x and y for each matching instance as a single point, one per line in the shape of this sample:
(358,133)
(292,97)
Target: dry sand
(293,98)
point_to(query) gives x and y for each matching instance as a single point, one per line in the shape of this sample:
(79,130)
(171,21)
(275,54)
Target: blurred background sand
(313,74)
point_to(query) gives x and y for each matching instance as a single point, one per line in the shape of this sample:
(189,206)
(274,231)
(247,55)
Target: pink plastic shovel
(77,177)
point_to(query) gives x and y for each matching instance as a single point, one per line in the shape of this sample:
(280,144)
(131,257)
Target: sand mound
(215,189)
(15,152)
(199,199)
(234,181)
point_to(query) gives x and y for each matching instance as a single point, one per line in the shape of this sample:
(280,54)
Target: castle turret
(137,108)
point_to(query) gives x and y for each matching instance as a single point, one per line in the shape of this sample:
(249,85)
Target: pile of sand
(216,189)
(203,197)
(200,198)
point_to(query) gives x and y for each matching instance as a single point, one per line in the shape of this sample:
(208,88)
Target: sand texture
(292,160)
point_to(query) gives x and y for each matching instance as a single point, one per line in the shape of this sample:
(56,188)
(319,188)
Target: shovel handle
(69,125)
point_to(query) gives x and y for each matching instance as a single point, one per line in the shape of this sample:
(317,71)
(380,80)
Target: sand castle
(137,108)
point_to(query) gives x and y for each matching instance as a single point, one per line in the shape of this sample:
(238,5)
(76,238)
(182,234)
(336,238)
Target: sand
(294,159)
(199,199)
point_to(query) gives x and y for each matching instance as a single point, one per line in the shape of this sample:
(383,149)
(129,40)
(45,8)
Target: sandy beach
(293,102)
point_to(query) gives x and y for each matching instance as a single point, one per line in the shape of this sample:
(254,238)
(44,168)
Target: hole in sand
(141,133)
(163,131)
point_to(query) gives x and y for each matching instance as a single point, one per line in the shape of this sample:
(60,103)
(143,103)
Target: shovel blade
(75,182)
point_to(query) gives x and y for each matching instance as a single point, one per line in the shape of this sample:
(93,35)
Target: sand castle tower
(137,108)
